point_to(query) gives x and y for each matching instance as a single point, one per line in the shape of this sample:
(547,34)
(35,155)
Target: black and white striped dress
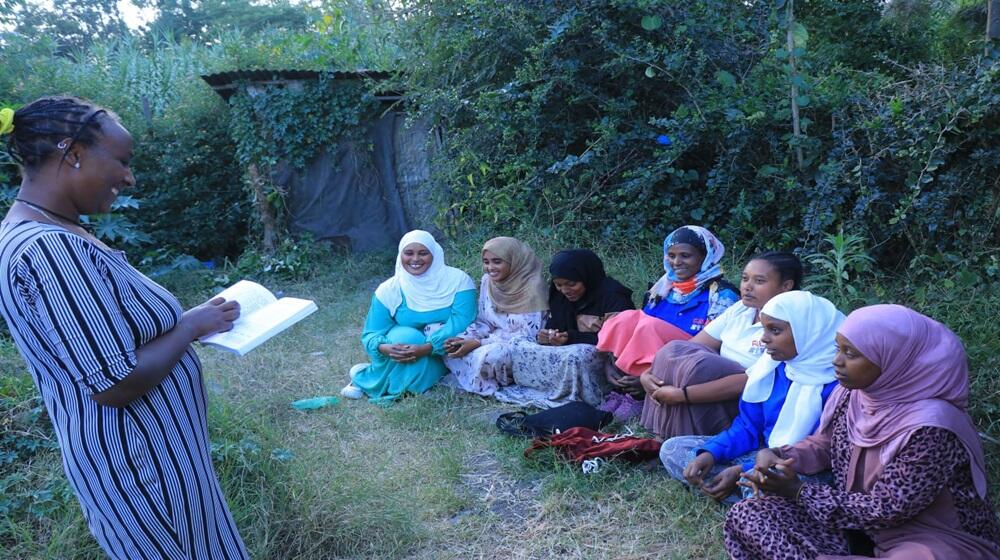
(143,473)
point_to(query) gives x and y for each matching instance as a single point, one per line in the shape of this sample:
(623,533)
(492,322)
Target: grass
(428,477)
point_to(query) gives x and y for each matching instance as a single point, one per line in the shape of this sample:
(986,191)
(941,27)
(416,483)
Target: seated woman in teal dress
(411,316)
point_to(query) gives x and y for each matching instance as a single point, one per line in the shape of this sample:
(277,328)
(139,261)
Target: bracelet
(686,399)
(799,491)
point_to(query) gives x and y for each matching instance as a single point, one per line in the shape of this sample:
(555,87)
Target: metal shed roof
(225,83)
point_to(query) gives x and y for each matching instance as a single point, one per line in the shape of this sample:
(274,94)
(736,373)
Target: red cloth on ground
(580,444)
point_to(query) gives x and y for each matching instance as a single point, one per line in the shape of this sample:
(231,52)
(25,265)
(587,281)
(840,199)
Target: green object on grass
(314,403)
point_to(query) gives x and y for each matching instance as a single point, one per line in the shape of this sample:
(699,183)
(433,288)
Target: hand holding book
(261,316)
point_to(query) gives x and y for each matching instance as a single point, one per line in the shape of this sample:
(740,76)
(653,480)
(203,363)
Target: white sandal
(351,391)
(356,369)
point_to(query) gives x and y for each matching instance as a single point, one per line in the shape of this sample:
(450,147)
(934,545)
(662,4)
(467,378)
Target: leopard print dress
(933,460)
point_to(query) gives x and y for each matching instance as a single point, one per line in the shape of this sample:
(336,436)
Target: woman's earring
(76,165)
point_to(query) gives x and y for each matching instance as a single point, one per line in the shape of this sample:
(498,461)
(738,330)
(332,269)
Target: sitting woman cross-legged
(512,302)
(782,400)
(564,365)
(909,473)
(689,295)
(411,315)
(694,386)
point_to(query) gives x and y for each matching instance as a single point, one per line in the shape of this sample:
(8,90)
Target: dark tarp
(365,198)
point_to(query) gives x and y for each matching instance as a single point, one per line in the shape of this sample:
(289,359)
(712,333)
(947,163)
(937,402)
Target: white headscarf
(814,322)
(432,290)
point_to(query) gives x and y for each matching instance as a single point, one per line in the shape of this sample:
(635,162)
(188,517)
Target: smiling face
(570,289)
(761,282)
(496,268)
(685,260)
(416,258)
(778,339)
(852,369)
(104,170)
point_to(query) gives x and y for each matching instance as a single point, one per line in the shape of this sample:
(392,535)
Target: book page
(253,329)
(251,296)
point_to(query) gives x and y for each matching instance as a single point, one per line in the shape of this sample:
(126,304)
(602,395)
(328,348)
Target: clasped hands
(405,353)
(770,475)
(659,391)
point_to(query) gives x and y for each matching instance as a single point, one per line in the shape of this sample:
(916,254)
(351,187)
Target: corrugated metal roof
(225,83)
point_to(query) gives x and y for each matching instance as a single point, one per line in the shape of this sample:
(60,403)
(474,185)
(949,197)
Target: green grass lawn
(427,477)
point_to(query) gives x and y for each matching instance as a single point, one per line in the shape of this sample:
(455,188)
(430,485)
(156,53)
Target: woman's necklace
(50,214)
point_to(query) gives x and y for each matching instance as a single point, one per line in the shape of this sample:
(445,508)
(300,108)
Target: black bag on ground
(548,422)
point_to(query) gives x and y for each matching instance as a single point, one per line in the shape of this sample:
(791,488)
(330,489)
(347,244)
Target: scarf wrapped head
(710,269)
(924,382)
(814,321)
(524,289)
(434,289)
(580,265)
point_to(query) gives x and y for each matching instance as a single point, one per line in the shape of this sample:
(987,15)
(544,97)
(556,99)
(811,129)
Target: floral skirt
(549,376)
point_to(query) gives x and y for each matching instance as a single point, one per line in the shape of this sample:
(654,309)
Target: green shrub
(630,118)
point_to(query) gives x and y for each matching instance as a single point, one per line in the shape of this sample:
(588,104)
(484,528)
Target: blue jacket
(692,315)
(753,425)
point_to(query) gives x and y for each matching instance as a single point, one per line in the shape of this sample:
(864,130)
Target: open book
(261,316)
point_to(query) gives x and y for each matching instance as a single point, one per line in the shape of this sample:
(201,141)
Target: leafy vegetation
(429,477)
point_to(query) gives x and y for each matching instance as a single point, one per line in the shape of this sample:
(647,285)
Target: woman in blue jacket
(782,400)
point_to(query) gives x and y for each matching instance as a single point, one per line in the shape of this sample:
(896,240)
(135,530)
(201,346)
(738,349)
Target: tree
(198,20)
(75,24)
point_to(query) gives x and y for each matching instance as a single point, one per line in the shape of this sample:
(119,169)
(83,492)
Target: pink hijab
(924,382)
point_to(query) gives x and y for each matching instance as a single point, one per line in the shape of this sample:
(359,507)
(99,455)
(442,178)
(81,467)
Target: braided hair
(41,125)
(789,266)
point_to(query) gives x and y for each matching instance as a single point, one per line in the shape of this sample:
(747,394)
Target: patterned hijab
(432,290)
(814,321)
(924,382)
(524,289)
(701,238)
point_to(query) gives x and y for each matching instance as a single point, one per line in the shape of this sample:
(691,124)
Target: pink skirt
(633,338)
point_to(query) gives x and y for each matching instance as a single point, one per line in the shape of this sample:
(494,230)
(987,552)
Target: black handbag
(558,419)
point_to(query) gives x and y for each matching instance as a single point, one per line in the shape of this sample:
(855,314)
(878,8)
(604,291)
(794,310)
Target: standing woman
(411,316)
(109,349)
(512,301)
(909,473)
(564,364)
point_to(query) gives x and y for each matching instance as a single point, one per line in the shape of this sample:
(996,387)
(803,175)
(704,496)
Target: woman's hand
(213,316)
(722,484)
(628,384)
(779,479)
(696,471)
(408,353)
(669,395)
(649,382)
(544,335)
(765,459)
(458,347)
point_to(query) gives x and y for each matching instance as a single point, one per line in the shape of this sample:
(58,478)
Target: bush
(630,118)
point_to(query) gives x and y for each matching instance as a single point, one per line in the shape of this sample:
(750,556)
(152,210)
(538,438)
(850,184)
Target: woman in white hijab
(781,402)
(411,316)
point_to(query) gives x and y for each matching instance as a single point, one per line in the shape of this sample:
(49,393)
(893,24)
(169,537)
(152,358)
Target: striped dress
(142,473)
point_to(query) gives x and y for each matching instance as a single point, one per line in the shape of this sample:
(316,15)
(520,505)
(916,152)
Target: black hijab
(604,294)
